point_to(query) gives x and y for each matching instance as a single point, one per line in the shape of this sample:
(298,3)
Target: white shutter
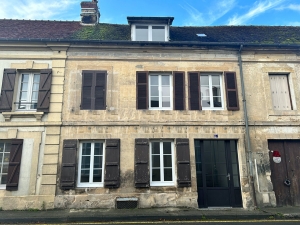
(280,92)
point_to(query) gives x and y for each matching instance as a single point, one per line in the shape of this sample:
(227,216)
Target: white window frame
(210,88)
(29,94)
(160,91)
(90,183)
(3,186)
(149,31)
(162,182)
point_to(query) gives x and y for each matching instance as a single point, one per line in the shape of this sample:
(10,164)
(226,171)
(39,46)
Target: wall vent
(127,203)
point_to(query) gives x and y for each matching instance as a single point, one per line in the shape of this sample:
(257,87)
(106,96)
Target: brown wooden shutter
(141,163)
(14,165)
(68,165)
(112,163)
(43,103)
(194,91)
(183,162)
(86,91)
(142,90)
(100,90)
(7,90)
(231,91)
(179,91)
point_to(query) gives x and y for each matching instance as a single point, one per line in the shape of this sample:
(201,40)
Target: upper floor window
(28,91)
(211,91)
(4,161)
(150,33)
(280,92)
(160,91)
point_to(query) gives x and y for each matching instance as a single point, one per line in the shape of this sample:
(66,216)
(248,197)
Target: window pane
(7,147)
(35,87)
(6,157)
(4,179)
(34,97)
(168,174)
(205,102)
(86,148)
(23,96)
(85,162)
(155,174)
(204,91)
(154,91)
(155,161)
(165,91)
(85,174)
(24,86)
(220,181)
(5,168)
(158,33)
(216,91)
(1,147)
(165,80)
(153,80)
(97,176)
(155,147)
(215,80)
(97,162)
(204,80)
(167,147)
(217,102)
(167,161)
(236,181)
(98,149)
(1,157)
(154,102)
(141,33)
(166,102)
(25,78)
(36,78)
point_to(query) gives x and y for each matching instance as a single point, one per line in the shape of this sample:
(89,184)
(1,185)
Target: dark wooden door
(287,169)
(218,180)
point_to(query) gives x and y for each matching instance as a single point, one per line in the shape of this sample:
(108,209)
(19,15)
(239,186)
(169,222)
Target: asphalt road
(247,222)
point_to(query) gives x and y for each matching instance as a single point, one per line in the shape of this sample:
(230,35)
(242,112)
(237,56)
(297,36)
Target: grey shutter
(231,91)
(194,91)
(68,165)
(14,165)
(100,90)
(112,163)
(86,91)
(179,91)
(141,163)
(7,90)
(44,91)
(142,90)
(183,162)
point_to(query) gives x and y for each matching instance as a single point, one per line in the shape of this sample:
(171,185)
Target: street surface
(234,222)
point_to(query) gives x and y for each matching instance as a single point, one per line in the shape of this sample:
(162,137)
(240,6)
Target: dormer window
(150,28)
(150,33)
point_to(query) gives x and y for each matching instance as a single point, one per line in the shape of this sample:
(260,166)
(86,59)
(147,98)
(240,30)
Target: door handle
(228,176)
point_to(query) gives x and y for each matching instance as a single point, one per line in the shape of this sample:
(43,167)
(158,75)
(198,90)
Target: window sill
(9,115)
(162,184)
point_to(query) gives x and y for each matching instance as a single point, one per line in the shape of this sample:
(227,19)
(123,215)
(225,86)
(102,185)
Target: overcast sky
(186,12)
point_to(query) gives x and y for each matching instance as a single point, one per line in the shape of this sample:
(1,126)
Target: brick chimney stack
(90,14)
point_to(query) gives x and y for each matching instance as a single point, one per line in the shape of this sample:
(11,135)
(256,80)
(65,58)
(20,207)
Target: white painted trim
(162,183)
(90,184)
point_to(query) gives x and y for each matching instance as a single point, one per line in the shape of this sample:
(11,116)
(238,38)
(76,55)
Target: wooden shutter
(100,90)
(112,163)
(14,165)
(142,90)
(141,163)
(68,165)
(179,91)
(43,103)
(7,90)
(280,92)
(231,91)
(183,162)
(86,91)
(194,91)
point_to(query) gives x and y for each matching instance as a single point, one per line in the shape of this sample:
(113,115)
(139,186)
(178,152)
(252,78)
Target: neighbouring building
(147,114)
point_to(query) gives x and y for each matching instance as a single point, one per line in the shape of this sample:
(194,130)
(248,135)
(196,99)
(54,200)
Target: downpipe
(248,144)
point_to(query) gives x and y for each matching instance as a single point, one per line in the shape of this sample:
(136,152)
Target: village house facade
(147,114)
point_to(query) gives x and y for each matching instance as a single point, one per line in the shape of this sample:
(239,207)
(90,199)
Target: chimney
(90,14)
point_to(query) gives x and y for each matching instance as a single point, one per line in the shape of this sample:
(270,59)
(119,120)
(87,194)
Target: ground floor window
(4,161)
(161,163)
(91,162)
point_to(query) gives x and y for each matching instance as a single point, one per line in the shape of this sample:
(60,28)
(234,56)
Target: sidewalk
(96,215)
